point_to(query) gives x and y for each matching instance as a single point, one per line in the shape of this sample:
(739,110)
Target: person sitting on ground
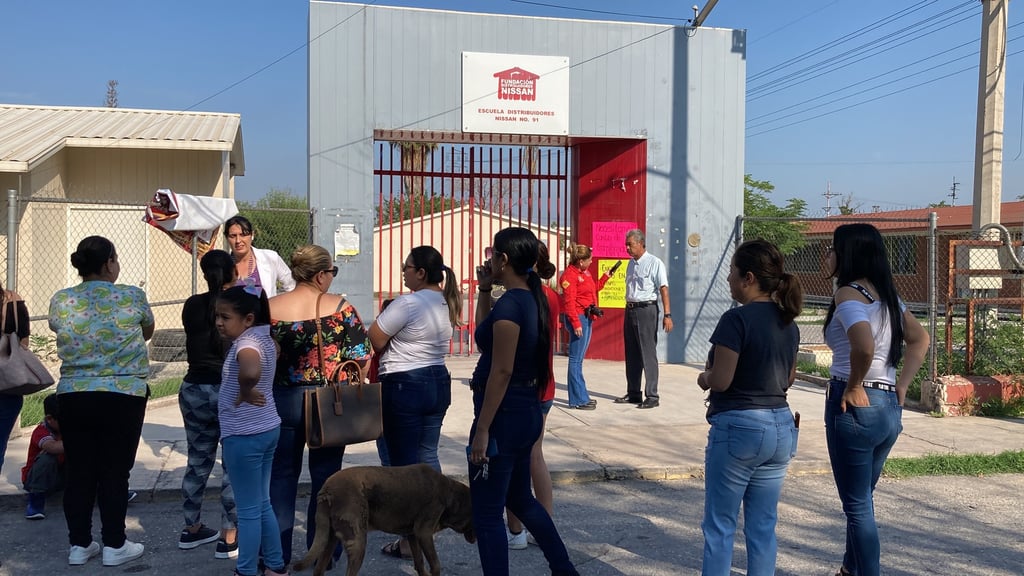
(43,472)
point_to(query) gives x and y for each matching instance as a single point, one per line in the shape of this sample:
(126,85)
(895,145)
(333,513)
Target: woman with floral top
(294,326)
(101,329)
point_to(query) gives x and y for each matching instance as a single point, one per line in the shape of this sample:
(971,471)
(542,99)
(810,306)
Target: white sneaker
(531,540)
(517,541)
(81,554)
(117,556)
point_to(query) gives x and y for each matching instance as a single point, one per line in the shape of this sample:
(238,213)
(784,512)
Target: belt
(630,305)
(883,386)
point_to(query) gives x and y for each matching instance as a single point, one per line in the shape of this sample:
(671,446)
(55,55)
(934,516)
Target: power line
(855,94)
(875,77)
(854,52)
(792,22)
(894,92)
(962,70)
(894,16)
(561,7)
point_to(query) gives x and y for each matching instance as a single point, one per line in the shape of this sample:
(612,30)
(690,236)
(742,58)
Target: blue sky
(900,150)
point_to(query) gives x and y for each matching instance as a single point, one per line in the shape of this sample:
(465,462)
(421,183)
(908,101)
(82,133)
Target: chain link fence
(42,233)
(911,243)
(966,287)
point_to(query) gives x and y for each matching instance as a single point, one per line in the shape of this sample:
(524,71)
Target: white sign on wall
(515,94)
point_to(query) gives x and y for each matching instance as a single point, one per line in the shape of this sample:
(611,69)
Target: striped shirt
(644,278)
(246,419)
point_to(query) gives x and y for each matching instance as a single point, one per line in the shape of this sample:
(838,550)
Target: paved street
(948,526)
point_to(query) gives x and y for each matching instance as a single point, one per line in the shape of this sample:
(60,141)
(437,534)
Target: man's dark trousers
(641,337)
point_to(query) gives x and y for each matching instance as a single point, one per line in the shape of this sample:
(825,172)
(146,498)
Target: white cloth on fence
(186,218)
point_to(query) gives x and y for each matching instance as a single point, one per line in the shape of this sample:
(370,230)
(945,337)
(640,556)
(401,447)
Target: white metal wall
(377,67)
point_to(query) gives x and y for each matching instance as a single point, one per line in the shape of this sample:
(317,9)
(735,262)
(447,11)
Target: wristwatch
(668,315)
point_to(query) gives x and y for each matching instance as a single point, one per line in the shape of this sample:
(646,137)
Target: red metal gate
(455,197)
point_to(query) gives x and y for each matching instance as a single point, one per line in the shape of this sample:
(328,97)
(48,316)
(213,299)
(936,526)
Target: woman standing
(250,425)
(264,268)
(540,477)
(101,330)
(753,433)
(514,343)
(866,327)
(298,316)
(579,294)
(15,319)
(197,399)
(413,336)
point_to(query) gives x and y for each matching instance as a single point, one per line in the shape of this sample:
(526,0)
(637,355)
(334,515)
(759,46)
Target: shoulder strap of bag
(862,290)
(320,340)
(3,317)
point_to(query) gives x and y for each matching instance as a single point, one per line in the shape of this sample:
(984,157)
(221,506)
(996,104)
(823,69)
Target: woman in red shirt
(579,293)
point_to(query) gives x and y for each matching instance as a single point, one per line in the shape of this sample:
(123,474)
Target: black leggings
(101,432)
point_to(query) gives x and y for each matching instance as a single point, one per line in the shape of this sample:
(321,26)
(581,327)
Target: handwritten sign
(613,295)
(609,238)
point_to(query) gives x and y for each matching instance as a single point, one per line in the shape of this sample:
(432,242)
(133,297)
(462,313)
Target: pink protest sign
(609,238)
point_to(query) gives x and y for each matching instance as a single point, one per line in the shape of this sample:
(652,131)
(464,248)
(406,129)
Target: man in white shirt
(646,280)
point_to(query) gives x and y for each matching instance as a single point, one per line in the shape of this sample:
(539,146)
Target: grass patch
(812,368)
(1009,462)
(32,410)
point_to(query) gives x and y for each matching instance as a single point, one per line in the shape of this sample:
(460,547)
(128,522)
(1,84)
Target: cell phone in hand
(614,267)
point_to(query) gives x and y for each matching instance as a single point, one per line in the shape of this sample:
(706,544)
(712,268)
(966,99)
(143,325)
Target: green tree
(847,205)
(788,234)
(941,204)
(280,221)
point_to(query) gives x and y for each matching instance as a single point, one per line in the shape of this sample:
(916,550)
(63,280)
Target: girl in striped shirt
(249,424)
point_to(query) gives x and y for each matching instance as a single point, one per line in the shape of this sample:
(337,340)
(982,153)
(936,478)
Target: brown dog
(406,500)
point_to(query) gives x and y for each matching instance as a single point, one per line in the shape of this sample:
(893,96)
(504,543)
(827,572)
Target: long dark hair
(428,259)
(860,253)
(244,303)
(521,248)
(218,269)
(763,259)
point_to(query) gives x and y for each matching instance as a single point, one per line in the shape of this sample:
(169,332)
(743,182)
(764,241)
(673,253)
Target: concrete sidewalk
(613,442)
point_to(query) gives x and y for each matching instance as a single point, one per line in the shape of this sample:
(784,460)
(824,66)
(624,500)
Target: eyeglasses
(408,266)
(332,271)
(830,248)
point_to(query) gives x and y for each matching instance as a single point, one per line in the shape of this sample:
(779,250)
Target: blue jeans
(516,427)
(746,459)
(414,404)
(248,459)
(859,441)
(284,475)
(10,410)
(578,345)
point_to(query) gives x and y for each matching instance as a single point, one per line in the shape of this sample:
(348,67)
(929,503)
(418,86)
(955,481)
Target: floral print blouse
(345,338)
(99,338)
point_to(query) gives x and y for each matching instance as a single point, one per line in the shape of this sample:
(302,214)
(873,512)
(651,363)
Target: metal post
(932,293)
(195,263)
(739,231)
(12,240)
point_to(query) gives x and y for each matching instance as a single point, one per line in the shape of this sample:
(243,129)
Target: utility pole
(953,193)
(698,19)
(828,198)
(988,144)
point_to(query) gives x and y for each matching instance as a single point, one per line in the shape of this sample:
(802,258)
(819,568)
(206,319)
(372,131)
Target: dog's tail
(323,532)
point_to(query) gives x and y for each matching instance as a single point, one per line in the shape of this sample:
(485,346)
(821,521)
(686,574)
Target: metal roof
(31,134)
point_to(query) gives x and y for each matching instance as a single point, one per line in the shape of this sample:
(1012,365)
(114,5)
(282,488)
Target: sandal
(394,549)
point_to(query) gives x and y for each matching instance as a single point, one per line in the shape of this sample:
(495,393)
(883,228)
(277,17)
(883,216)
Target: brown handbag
(21,372)
(345,409)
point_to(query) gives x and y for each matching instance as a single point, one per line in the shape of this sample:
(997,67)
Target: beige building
(76,172)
